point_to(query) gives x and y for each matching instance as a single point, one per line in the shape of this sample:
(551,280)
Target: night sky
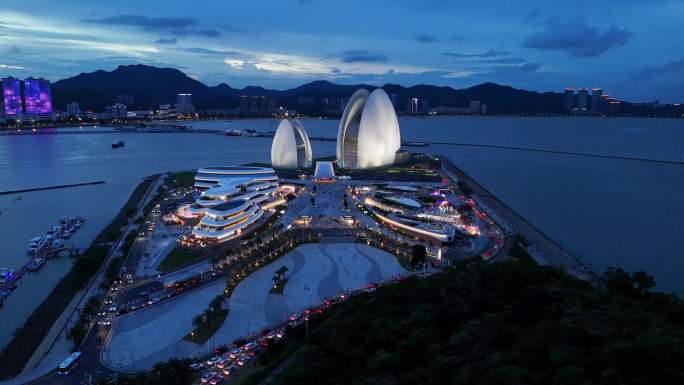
(633,49)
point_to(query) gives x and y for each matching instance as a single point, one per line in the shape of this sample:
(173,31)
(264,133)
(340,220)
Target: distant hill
(151,86)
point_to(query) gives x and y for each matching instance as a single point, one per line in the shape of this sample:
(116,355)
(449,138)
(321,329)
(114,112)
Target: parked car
(196,366)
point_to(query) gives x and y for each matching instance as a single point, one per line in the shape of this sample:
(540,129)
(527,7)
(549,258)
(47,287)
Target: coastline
(543,249)
(20,351)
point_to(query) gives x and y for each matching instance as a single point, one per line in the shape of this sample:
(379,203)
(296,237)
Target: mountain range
(151,86)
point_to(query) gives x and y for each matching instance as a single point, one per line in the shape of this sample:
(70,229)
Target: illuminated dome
(291,147)
(369,131)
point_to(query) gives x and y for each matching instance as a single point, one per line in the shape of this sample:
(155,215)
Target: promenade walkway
(543,249)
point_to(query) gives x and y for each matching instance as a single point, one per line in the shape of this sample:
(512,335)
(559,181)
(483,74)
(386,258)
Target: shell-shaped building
(291,147)
(368,135)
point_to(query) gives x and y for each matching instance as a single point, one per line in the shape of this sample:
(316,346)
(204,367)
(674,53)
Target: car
(196,366)
(294,317)
(250,346)
(206,377)
(234,353)
(112,308)
(213,360)
(243,360)
(253,353)
(217,378)
(280,333)
(222,362)
(271,334)
(229,370)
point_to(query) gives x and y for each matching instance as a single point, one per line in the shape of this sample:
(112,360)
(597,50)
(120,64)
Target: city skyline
(534,46)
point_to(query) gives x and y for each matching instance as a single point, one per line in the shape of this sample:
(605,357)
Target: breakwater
(51,187)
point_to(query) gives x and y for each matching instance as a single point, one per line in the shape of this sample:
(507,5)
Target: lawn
(177,258)
(208,329)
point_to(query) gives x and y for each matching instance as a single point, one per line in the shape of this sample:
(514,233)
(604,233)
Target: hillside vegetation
(506,323)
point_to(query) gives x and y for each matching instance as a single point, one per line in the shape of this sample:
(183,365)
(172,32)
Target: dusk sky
(633,49)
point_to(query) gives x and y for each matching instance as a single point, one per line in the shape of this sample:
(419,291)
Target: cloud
(235,63)
(176,26)
(7,66)
(577,38)
(503,60)
(209,51)
(675,67)
(426,39)
(490,53)
(162,40)
(362,56)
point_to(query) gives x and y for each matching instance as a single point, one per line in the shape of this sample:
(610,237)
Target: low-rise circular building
(291,147)
(368,135)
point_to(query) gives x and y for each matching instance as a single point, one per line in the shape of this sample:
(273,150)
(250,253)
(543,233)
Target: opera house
(291,147)
(368,135)
(232,199)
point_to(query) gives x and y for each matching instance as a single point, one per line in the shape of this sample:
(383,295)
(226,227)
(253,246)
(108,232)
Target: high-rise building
(254,104)
(423,106)
(32,96)
(184,104)
(117,111)
(244,104)
(582,99)
(11,97)
(569,99)
(395,100)
(45,97)
(474,107)
(73,109)
(596,100)
(412,106)
(126,99)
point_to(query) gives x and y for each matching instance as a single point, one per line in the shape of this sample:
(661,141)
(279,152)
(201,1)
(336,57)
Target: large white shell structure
(369,134)
(291,147)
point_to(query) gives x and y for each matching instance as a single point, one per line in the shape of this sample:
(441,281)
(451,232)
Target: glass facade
(11,95)
(32,96)
(34,99)
(45,96)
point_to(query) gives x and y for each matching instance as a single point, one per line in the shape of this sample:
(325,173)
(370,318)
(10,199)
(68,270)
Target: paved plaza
(316,271)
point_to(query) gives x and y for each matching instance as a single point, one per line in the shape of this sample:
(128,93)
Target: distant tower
(597,99)
(184,104)
(11,97)
(569,99)
(73,109)
(582,99)
(412,106)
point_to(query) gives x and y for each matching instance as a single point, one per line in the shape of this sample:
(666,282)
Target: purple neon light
(11,95)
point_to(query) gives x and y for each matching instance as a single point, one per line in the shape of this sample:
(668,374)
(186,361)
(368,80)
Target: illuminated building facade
(11,97)
(368,135)
(291,147)
(27,100)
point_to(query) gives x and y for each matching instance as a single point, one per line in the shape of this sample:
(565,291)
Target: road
(92,341)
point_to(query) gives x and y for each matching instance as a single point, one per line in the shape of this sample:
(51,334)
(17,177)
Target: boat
(118,144)
(233,132)
(36,264)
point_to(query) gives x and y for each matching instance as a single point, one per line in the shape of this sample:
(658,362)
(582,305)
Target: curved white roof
(368,135)
(291,147)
